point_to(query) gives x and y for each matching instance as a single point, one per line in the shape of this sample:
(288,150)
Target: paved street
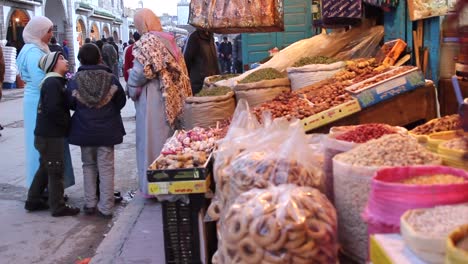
(38,237)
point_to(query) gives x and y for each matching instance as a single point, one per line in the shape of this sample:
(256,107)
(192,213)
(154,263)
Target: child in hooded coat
(97,97)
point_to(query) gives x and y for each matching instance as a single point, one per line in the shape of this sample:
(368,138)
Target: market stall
(276,191)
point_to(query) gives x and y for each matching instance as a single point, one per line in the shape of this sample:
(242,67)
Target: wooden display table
(447,100)
(401,110)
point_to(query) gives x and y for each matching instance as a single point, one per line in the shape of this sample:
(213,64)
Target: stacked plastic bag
(261,159)
(9,55)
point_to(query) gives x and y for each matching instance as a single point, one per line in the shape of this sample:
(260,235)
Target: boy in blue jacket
(52,125)
(97,97)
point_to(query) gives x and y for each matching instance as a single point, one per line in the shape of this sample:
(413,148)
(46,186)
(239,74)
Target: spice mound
(438,221)
(366,132)
(217,78)
(314,60)
(263,74)
(215,91)
(389,150)
(446,123)
(434,179)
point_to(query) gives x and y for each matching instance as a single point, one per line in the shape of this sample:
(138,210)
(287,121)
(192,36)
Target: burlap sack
(309,74)
(259,92)
(206,111)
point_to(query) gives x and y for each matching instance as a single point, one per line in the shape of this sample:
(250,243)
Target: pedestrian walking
(201,58)
(225,53)
(97,98)
(110,56)
(2,76)
(159,84)
(36,35)
(66,50)
(52,126)
(54,46)
(128,56)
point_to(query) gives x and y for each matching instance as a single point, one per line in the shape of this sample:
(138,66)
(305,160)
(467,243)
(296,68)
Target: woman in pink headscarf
(159,84)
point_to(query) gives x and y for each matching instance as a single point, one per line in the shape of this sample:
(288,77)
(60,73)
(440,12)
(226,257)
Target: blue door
(297,26)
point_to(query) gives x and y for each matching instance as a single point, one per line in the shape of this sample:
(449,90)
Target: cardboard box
(179,187)
(391,249)
(331,115)
(388,88)
(185,174)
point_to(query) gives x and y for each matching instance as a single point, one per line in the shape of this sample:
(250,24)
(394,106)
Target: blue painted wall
(398,25)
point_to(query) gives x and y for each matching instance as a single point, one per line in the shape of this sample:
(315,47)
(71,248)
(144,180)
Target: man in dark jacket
(225,53)
(97,98)
(200,58)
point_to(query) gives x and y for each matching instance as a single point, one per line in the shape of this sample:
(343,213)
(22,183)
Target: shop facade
(74,21)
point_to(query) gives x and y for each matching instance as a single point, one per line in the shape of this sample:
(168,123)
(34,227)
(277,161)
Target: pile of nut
(438,221)
(434,179)
(181,161)
(282,224)
(389,150)
(446,123)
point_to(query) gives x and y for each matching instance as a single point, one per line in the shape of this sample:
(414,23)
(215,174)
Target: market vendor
(200,58)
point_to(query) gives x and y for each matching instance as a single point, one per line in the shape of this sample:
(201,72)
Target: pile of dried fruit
(320,96)
(215,91)
(446,123)
(263,74)
(434,179)
(314,60)
(366,132)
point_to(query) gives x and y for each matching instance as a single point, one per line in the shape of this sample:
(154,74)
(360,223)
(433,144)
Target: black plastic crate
(181,234)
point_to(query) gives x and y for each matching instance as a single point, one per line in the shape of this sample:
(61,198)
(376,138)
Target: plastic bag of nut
(352,174)
(344,138)
(280,224)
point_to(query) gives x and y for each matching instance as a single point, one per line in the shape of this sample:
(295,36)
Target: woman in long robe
(159,84)
(36,35)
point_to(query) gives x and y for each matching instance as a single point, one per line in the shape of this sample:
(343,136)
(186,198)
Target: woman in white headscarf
(36,35)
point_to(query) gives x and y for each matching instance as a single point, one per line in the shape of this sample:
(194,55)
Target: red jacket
(128,61)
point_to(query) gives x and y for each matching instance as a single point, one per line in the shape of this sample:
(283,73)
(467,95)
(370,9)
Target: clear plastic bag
(278,157)
(243,130)
(280,224)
